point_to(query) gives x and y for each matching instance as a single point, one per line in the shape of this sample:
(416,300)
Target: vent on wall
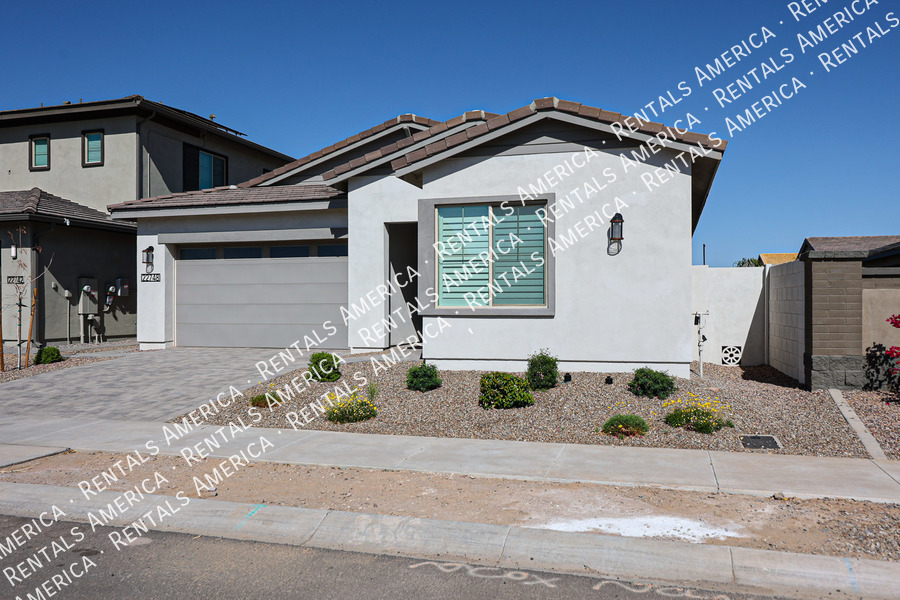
(731,355)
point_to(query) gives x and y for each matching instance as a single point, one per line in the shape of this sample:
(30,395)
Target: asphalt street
(173,566)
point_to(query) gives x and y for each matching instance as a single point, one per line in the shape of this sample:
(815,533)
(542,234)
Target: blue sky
(298,76)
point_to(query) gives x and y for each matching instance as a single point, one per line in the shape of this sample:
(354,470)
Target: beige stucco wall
(878,305)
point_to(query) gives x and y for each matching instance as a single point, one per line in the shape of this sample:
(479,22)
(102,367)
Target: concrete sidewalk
(712,566)
(697,470)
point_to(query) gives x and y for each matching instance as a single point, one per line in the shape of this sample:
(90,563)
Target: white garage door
(259,302)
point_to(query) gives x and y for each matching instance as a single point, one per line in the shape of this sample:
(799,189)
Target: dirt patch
(834,527)
(762,402)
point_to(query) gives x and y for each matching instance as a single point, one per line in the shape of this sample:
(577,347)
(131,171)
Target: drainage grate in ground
(760,442)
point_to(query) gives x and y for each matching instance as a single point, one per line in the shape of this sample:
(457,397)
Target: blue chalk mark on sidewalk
(852,575)
(249,514)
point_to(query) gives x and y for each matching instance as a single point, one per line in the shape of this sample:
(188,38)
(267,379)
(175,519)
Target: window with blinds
(40,153)
(491,256)
(92,148)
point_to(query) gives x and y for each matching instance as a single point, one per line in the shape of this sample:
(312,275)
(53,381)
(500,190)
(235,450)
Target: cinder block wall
(787,319)
(834,324)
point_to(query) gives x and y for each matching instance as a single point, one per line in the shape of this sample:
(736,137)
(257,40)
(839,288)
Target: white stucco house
(484,238)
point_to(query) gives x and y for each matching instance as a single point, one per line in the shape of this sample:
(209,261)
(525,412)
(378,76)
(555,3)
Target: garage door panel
(313,315)
(267,303)
(257,336)
(264,270)
(262,294)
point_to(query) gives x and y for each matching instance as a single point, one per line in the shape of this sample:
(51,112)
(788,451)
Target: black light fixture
(567,378)
(147,258)
(615,225)
(609,380)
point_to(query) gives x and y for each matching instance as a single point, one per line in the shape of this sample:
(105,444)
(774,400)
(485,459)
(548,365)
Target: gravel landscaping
(762,401)
(880,412)
(11,373)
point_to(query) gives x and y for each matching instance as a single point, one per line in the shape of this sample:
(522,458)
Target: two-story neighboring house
(59,162)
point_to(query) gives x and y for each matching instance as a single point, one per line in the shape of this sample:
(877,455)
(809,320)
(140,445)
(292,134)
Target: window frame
(31,140)
(213,156)
(84,148)
(429,261)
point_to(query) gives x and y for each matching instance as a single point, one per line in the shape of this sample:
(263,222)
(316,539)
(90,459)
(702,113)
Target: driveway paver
(141,386)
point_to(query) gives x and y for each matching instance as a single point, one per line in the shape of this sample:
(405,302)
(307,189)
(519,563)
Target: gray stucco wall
(787,330)
(68,253)
(735,300)
(613,313)
(96,186)
(163,156)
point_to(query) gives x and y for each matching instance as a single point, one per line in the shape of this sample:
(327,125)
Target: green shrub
(351,409)
(652,384)
(503,390)
(259,401)
(47,355)
(625,425)
(372,391)
(324,366)
(698,419)
(423,378)
(542,373)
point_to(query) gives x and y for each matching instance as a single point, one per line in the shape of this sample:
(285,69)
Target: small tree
(748,262)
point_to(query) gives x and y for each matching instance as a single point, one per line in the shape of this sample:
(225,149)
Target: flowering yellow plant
(349,409)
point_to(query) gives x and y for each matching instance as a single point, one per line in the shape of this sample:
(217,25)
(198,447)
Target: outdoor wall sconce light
(147,258)
(615,234)
(609,380)
(13,252)
(615,226)
(567,378)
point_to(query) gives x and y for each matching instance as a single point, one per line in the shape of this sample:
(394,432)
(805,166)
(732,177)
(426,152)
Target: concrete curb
(14,454)
(862,432)
(711,566)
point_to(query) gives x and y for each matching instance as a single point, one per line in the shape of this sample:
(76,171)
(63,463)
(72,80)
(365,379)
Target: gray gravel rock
(762,401)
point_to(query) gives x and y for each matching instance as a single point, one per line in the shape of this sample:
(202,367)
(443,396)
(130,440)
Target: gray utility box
(87,296)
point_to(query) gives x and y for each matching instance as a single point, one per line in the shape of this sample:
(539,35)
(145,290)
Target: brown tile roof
(39,203)
(232,195)
(778,258)
(406,118)
(472,116)
(859,243)
(555,104)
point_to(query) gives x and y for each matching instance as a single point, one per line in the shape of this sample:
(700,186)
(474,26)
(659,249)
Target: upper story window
(92,151)
(39,152)
(491,255)
(212,170)
(202,169)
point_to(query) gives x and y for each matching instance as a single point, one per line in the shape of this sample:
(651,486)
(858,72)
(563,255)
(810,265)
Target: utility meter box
(87,296)
(121,287)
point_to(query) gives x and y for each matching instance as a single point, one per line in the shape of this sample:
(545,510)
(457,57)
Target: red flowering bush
(894,351)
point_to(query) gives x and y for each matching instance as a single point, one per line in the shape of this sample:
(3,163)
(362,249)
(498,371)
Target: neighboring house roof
(777,259)
(129,105)
(233,195)
(298,164)
(859,243)
(37,205)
